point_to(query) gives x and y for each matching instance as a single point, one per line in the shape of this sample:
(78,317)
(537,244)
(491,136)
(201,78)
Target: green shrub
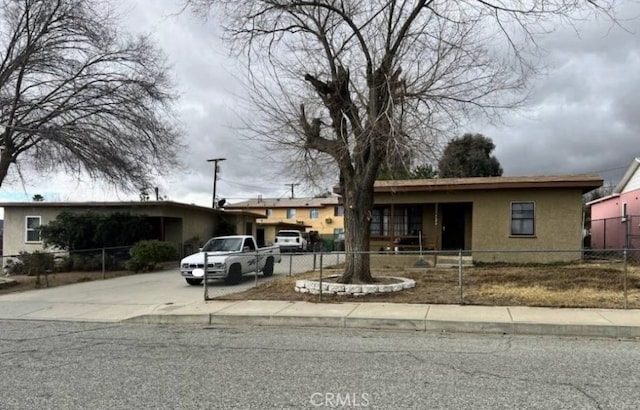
(191,245)
(86,262)
(146,254)
(14,267)
(63,263)
(37,262)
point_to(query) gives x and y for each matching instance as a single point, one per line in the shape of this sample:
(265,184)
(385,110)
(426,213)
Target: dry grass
(579,285)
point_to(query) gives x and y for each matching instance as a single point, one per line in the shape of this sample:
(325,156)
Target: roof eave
(627,175)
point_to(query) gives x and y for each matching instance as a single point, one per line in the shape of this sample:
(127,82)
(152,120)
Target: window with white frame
(522,218)
(291,213)
(314,213)
(32,226)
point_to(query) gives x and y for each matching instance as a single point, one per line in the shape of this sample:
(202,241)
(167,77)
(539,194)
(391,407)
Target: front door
(453,225)
(260,236)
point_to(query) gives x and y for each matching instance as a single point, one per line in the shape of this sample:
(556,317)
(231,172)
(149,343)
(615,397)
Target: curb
(548,329)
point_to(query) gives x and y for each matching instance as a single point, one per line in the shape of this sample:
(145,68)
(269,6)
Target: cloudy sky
(583,116)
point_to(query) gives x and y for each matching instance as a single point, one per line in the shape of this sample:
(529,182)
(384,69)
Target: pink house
(615,219)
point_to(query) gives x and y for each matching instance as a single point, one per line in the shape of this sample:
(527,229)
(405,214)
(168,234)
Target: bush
(37,262)
(191,245)
(88,262)
(14,267)
(146,254)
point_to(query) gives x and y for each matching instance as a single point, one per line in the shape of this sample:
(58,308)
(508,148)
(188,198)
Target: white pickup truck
(229,258)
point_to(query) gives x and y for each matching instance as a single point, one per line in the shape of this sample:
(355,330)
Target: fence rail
(608,278)
(455,276)
(46,262)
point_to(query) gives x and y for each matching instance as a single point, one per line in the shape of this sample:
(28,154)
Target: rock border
(330,288)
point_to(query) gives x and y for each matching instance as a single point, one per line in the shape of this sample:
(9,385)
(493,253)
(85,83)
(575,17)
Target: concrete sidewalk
(393,316)
(161,298)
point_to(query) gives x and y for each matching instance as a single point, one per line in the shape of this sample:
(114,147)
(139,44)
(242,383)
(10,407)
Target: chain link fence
(614,233)
(606,278)
(95,262)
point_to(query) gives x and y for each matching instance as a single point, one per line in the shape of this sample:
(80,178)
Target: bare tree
(354,85)
(79,95)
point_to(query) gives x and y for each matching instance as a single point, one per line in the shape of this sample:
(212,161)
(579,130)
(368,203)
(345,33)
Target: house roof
(262,203)
(124,205)
(627,176)
(587,182)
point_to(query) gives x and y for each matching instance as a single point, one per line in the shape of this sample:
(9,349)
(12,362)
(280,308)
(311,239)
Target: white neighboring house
(172,221)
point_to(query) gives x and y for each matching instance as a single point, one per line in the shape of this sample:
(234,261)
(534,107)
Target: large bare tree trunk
(358,206)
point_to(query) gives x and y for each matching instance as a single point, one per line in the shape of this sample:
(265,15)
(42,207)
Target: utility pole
(291,185)
(215,178)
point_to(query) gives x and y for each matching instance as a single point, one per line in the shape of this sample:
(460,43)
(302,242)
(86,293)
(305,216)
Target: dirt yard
(578,285)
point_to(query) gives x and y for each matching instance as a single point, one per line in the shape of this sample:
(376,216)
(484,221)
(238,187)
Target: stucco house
(484,215)
(324,215)
(615,219)
(173,222)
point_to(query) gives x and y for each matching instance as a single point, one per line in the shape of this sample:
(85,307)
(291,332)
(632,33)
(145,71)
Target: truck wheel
(268,267)
(193,282)
(235,275)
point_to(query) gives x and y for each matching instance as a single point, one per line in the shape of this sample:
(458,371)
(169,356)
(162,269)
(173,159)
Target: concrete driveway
(129,296)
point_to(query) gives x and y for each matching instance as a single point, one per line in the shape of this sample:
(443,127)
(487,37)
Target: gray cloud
(582,116)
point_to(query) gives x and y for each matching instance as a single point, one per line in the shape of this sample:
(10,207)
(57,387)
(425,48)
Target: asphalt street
(74,365)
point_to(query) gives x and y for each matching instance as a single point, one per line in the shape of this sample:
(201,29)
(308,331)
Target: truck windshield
(223,245)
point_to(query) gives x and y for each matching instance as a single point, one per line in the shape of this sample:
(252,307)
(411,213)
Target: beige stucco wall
(14,236)
(269,233)
(558,222)
(324,224)
(181,224)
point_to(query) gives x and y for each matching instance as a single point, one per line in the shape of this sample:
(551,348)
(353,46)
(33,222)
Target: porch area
(428,227)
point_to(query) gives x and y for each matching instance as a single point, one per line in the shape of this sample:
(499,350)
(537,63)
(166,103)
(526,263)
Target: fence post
(460,276)
(321,253)
(255,274)
(290,263)
(624,281)
(206,282)
(103,264)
